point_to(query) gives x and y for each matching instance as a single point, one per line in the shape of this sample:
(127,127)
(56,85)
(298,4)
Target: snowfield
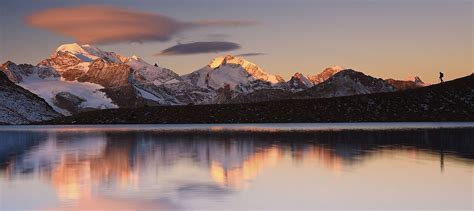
(49,88)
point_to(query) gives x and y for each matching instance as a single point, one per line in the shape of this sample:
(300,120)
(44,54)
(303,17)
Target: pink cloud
(107,24)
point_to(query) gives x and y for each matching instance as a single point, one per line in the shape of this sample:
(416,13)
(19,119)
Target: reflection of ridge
(74,177)
(77,163)
(115,164)
(72,180)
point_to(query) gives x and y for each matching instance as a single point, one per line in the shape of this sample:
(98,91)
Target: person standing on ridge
(441,75)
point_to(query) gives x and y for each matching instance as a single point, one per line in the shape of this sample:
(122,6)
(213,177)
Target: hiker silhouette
(441,75)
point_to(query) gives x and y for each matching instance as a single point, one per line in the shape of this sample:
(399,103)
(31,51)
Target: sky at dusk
(382,38)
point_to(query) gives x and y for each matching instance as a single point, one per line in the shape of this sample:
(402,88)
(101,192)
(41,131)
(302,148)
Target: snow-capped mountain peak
(325,74)
(335,68)
(87,53)
(255,71)
(298,82)
(222,60)
(78,51)
(304,80)
(239,74)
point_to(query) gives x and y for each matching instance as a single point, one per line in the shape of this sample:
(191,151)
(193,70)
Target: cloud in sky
(199,47)
(108,24)
(251,54)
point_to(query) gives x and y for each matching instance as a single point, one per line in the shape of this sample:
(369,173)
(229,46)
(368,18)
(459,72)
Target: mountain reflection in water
(93,169)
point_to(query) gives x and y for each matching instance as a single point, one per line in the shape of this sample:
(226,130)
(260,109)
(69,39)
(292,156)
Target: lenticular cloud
(107,24)
(200,47)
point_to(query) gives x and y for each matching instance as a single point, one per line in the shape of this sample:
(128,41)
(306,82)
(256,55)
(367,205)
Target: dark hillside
(449,101)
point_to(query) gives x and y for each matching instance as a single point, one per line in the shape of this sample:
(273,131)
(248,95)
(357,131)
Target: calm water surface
(254,166)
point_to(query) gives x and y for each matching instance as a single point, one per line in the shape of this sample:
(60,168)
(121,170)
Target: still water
(253,166)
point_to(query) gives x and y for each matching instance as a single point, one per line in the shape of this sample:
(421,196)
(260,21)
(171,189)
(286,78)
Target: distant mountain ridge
(346,83)
(78,78)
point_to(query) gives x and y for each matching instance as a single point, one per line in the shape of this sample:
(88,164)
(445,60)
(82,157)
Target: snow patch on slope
(148,95)
(49,88)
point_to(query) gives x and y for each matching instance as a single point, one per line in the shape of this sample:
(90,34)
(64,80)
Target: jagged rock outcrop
(70,102)
(69,66)
(13,72)
(128,97)
(107,74)
(18,73)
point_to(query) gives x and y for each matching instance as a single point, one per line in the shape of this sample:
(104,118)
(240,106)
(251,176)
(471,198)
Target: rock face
(345,83)
(69,66)
(19,106)
(70,102)
(15,73)
(19,73)
(107,74)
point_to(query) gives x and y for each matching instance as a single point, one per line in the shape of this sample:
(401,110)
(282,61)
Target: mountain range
(79,78)
(448,101)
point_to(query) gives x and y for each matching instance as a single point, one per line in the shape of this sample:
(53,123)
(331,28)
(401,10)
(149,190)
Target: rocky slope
(262,95)
(19,106)
(449,101)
